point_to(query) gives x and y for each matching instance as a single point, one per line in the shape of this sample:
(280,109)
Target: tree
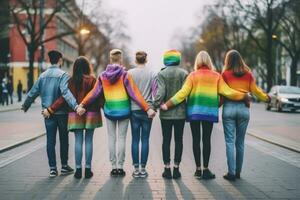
(289,38)
(26,17)
(261,16)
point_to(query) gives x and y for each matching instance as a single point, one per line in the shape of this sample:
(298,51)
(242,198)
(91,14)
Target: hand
(80,110)
(46,113)
(151,113)
(164,107)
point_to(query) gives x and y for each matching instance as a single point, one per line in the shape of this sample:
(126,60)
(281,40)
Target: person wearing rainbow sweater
(202,89)
(235,114)
(118,88)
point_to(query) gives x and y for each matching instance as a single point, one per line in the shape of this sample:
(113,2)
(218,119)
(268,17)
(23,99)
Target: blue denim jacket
(51,84)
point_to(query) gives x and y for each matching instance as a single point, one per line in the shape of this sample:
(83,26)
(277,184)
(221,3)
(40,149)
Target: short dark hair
(54,56)
(141,57)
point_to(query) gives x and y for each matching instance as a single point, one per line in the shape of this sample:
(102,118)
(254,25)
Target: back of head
(81,67)
(141,57)
(54,56)
(234,61)
(172,58)
(116,56)
(203,60)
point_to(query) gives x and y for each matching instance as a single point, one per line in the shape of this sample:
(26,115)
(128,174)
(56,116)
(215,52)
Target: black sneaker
(229,177)
(167,173)
(66,170)
(78,173)
(121,172)
(88,173)
(176,173)
(198,173)
(207,174)
(238,175)
(114,172)
(53,173)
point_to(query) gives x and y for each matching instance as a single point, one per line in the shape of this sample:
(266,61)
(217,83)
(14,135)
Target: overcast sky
(152,23)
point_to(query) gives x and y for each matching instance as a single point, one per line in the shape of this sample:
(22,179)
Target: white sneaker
(136,173)
(143,173)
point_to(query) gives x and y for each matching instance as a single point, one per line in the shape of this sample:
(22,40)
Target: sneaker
(143,173)
(121,172)
(207,174)
(198,173)
(114,172)
(88,173)
(136,173)
(167,174)
(238,175)
(53,173)
(229,177)
(78,173)
(66,170)
(176,173)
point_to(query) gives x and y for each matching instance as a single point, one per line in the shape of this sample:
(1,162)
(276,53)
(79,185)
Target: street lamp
(84,31)
(275,37)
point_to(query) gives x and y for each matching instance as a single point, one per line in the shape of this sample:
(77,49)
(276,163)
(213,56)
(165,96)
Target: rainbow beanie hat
(172,58)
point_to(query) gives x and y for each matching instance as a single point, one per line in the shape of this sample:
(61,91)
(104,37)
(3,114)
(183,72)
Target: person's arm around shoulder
(32,95)
(225,90)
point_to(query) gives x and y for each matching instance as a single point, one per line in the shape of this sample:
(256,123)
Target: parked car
(284,98)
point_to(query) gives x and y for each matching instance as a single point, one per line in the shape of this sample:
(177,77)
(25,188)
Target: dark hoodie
(118,87)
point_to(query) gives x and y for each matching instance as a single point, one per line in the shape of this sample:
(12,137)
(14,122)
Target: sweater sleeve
(225,90)
(56,105)
(182,94)
(93,94)
(134,93)
(257,91)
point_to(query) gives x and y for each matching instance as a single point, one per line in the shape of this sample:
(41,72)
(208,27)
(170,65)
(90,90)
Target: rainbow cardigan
(202,88)
(117,96)
(245,83)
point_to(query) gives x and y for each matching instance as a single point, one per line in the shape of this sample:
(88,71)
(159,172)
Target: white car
(284,98)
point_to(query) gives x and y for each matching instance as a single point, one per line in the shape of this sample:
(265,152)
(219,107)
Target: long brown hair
(234,61)
(81,67)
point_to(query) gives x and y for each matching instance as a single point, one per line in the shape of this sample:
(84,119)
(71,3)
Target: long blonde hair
(234,61)
(203,59)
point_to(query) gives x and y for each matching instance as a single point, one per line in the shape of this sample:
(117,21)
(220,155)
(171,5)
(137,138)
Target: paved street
(270,172)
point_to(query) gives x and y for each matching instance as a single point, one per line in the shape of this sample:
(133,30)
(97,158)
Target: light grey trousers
(117,161)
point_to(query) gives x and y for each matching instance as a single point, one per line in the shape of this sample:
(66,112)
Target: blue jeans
(235,121)
(53,123)
(140,129)
(88,147)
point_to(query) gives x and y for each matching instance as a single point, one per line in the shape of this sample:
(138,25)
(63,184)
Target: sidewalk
(18,127)
(16,105)
(281,129)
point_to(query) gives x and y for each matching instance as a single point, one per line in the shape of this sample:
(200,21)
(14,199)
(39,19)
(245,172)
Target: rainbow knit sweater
(202,89)
(118,88)
(245,83)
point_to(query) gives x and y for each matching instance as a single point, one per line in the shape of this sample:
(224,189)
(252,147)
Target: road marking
(18,156)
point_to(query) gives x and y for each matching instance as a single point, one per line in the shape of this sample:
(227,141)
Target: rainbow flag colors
(172,58)
(202,89)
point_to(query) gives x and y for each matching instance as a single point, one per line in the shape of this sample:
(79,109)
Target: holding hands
(80,110)
(151,113)
(164,107)
(46,113)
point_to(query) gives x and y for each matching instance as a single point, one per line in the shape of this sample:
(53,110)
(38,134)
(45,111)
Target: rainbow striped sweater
(245,83)
(202,89)
(118,88)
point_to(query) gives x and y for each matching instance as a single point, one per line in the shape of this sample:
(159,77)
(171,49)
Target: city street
(270,171)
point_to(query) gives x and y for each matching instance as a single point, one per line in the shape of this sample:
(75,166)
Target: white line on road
(18,156)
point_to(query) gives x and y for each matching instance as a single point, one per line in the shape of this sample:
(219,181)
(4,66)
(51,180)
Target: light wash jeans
(88,147)
(117,161)
(235,121)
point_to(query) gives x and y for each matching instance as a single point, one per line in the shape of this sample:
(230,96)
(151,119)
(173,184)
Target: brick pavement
(264,176)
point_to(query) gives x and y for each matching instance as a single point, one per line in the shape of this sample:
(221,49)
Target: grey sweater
(144,78)
(170,81)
